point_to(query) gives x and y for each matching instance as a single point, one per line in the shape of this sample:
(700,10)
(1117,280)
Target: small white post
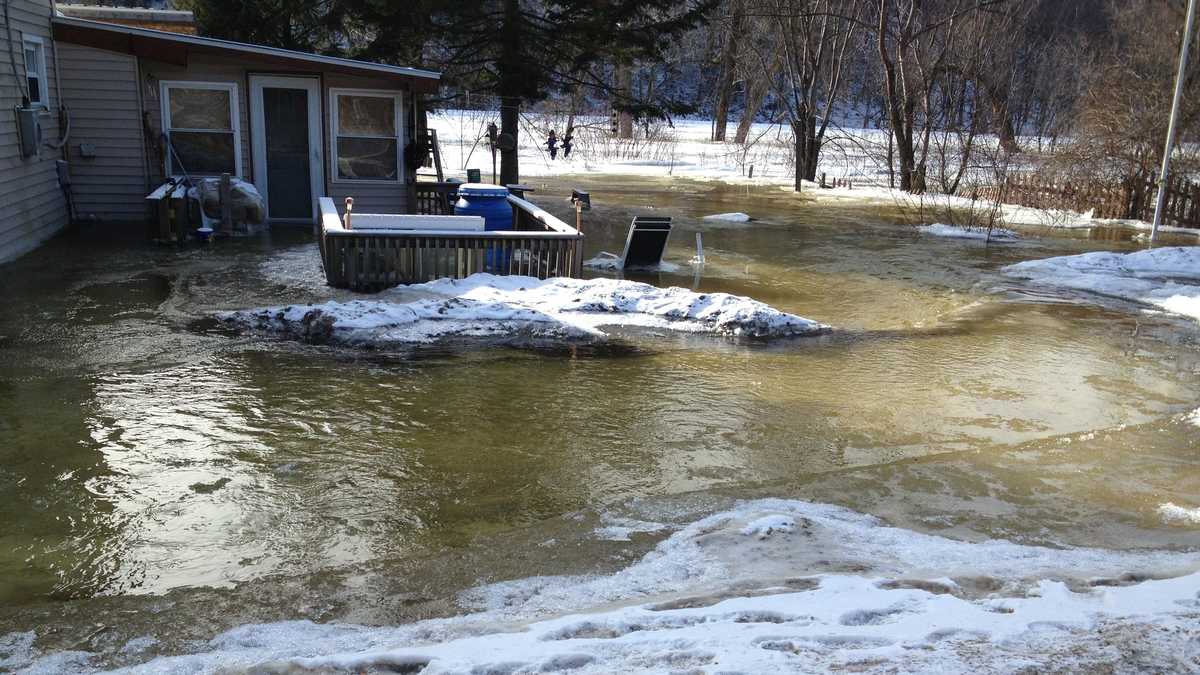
(1166,159)
(699,249)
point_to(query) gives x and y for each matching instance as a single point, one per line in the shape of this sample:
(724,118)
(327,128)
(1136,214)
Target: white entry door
(285,134)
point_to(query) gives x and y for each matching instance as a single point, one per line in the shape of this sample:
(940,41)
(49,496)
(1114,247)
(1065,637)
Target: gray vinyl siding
(100,90)
(32,206)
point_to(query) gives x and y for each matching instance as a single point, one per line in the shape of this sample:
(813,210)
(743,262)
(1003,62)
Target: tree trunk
(813,146)
(897,104)
(1004,128)
(625,92)
(510,116)
(725,81)
(575,96)
(756,93)
(808,149)
(908,163)
(509,89)
(800,138)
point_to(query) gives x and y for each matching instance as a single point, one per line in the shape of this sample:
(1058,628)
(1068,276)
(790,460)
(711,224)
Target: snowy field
(513,308)
(683,150)
(768,586)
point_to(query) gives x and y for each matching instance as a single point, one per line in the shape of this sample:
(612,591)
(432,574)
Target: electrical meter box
(29,131)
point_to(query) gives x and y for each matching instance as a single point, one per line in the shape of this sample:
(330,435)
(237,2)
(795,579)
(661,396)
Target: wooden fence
(1132,198)
(541,246)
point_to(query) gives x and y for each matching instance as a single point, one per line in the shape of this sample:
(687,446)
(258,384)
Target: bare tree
(729,59)
(1122,115)
(811,39)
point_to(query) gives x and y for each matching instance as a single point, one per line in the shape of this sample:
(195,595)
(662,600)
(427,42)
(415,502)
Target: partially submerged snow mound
(960,232)
(521,309)
(751,590)
(1166,278)
(735,217)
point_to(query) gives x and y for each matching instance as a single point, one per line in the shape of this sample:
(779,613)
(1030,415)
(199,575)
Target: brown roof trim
(175,48)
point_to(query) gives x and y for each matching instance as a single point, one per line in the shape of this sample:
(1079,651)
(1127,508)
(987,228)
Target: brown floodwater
(164,476)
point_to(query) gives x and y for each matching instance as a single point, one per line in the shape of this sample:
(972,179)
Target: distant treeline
(1089,80)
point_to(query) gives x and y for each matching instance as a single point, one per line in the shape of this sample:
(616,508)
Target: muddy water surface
(163,476)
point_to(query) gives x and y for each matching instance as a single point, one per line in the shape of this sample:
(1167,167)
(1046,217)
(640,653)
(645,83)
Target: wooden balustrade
(541,246)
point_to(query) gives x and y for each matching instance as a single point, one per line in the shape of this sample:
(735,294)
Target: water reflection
(145,450)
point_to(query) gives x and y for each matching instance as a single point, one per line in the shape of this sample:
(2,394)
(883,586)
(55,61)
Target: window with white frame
(201,122)
(366,135)
(35,70)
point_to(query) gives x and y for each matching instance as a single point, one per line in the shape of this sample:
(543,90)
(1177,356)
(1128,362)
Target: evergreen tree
(517,50)
(522,50)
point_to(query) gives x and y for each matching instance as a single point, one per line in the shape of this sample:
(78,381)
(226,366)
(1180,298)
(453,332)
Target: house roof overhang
(176,48)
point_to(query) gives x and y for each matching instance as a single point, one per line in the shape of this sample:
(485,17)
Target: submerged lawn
(170,478)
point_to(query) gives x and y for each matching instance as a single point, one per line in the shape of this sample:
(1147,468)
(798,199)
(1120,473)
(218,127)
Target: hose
(12,57)
(64,115)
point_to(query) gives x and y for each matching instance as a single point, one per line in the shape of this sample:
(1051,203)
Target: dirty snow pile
(515,308)
(958,232)
(771,586)
(1167,278)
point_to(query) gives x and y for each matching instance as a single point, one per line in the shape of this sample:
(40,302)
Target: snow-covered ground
(514,308)
(684,150)
(767,586)
(1166,278)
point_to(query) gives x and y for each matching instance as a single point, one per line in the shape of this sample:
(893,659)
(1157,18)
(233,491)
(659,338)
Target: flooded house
(102,113)
(117,115)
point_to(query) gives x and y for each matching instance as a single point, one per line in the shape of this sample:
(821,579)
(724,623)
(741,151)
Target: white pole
(1166,160)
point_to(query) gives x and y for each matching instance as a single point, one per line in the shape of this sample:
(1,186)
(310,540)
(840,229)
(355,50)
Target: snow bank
(957,232)
(1166,278)
(736,217)
(521,309)
(776,585)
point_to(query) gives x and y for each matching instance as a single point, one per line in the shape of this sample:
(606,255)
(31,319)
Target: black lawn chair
(647,241)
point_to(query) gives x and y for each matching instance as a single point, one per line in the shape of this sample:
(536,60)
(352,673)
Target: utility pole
(1166,159)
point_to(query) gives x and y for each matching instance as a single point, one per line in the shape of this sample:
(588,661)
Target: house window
(35,71)
(366,135)
(201,122)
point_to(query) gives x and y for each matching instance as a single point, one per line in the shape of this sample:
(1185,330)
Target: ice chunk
(768,525)
(1167,278)
(735,217)
(1173,514)
(960,232)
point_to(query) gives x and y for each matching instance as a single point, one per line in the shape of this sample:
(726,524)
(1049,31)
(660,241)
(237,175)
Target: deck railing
(541,246)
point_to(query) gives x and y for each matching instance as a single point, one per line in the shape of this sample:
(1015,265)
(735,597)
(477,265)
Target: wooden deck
(541,246)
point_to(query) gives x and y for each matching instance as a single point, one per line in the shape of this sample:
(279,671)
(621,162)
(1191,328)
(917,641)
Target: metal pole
(1166,160)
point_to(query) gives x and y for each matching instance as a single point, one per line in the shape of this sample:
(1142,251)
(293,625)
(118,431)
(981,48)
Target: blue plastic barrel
(488,201)
(491,203)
